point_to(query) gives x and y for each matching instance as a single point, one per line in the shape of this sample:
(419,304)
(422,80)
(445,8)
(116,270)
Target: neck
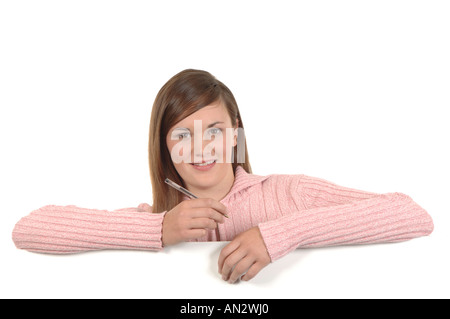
(217,192)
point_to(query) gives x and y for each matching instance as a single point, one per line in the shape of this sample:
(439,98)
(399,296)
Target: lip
(205,161)
(204,168)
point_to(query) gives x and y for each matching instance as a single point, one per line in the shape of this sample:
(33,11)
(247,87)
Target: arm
(71,229)
(334,215)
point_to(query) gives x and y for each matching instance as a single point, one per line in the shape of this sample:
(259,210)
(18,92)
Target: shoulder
(279,185)
(284,180)
(144,207)
(141,208)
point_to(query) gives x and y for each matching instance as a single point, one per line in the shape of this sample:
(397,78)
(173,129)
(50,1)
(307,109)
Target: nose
(203,150)
(198,154)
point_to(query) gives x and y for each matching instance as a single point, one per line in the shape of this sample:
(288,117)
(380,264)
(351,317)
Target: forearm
(381,218)
(71,229)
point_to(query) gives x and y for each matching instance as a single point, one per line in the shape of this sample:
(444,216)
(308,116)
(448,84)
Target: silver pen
(183,190)
(180,188)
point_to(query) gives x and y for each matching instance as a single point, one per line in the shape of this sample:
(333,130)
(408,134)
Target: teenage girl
(197,140)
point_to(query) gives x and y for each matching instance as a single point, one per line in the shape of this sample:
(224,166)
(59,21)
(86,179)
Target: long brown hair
(185,93)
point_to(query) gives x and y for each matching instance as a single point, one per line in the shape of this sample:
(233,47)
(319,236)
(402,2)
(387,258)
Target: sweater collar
(243,180)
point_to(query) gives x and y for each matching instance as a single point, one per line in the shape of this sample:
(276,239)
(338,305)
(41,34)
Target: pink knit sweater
(291,211)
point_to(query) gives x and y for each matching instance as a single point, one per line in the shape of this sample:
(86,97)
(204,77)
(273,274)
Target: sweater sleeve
(70,229)
(332,215)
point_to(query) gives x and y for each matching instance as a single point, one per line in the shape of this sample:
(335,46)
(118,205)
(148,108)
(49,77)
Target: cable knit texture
(291,211)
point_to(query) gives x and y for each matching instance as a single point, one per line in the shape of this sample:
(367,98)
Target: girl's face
(200,146)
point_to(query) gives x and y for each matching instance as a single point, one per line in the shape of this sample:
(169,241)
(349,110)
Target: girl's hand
(191,219)
(246,254)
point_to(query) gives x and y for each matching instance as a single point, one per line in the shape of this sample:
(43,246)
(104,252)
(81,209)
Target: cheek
(181,155)
(222,148)
(179,150)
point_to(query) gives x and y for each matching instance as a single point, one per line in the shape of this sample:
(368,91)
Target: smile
(204,163)
(204,166)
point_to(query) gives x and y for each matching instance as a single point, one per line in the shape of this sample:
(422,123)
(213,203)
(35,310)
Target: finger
(231,261)
(194,234)
(226,251)
(207,212)
(202,223)
(241,268)
(209,202)
(252,271)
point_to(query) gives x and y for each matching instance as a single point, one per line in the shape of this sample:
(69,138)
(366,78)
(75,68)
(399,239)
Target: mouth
(204,165)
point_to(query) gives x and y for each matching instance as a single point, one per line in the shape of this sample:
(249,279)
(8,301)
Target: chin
(203,176)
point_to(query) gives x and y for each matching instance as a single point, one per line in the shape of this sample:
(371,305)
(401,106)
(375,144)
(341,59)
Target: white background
(355,92)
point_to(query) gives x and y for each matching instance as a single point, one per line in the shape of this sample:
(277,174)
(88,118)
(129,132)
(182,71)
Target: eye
(214,131)
(183,136)
(180,135)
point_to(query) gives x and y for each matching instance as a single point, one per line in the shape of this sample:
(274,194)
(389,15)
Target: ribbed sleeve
(388,217)
(70,229)
(291,211)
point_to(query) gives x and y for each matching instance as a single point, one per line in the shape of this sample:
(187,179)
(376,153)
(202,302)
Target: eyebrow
(212,124)
(186,129)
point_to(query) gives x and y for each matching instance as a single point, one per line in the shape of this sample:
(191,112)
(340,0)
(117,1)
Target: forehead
(211,113)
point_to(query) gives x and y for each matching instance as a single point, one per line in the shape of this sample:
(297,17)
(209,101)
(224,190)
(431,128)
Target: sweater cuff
(268,231)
